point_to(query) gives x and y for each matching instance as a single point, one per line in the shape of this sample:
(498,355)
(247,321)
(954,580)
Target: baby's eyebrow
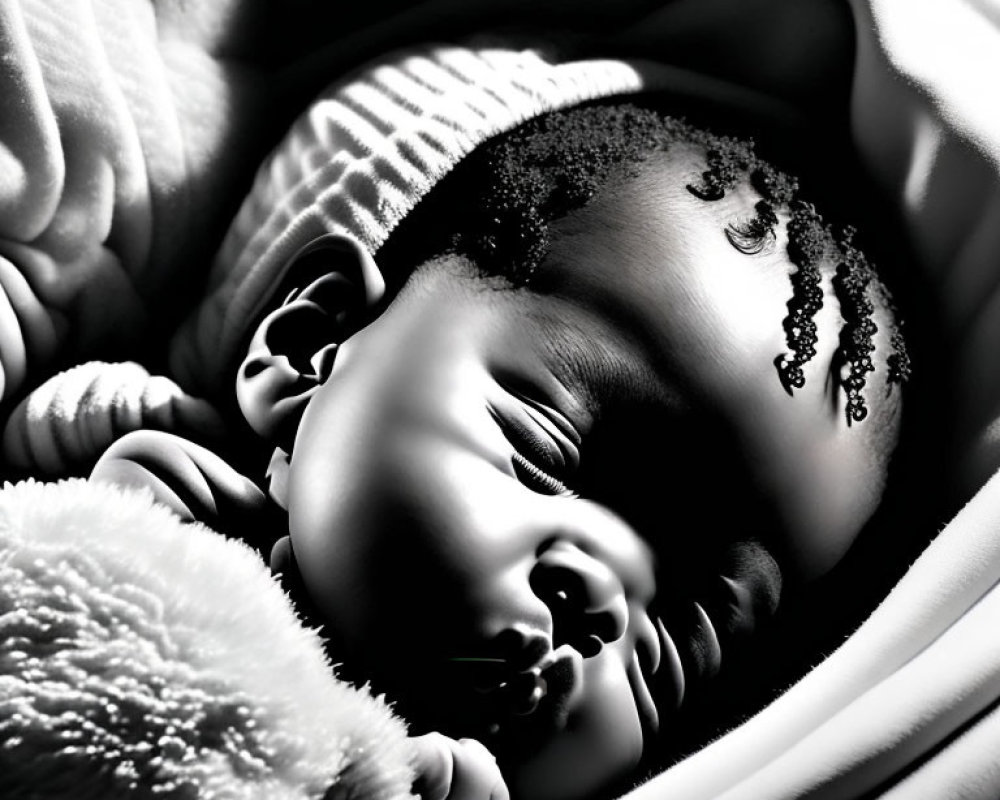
(598,374)
(574,366)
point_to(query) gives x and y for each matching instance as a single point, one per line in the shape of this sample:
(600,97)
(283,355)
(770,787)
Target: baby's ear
(330,288)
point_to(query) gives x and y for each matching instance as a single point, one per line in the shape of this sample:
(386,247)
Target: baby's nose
(584,595)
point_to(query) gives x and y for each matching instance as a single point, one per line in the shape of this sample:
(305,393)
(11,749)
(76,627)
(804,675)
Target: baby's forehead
(652,264)
(592,349)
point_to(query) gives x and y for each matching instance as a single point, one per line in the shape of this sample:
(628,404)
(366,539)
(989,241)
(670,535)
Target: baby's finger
(476,774)
(456,770)
(435,763)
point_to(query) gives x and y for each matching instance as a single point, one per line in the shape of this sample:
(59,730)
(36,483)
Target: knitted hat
(354,164)
(361,157)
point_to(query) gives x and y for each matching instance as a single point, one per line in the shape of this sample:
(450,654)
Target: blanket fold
(124,145)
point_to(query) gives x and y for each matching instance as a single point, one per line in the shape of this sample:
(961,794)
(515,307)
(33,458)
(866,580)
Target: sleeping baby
(620,387)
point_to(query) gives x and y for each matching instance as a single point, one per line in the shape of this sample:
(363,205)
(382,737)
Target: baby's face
(517,507)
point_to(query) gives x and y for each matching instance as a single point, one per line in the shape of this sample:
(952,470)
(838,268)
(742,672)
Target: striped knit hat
(358,160)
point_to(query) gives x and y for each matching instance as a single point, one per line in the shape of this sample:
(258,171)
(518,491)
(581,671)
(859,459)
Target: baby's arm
(456,770)
(193,482)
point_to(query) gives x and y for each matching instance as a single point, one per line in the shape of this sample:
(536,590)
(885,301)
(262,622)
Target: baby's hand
(456,770)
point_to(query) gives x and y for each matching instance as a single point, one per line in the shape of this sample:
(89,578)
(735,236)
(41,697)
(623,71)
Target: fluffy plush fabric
(144,657)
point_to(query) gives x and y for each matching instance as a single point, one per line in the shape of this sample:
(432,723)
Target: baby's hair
(516,185)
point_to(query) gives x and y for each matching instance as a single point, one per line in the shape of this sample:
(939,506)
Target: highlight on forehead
(811,245)
(511,189)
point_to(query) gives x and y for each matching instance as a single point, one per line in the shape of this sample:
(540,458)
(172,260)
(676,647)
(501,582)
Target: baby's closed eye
(546,452)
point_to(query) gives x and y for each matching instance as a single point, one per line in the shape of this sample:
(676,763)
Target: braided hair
(516,185)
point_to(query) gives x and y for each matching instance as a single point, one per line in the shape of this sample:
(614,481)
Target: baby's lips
(544,692)
(509,692)
(484,674)
(522,692)
(528,704)
(511,653)
(522,649)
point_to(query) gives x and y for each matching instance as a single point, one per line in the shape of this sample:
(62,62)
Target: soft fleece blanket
(144,657)
(130,131)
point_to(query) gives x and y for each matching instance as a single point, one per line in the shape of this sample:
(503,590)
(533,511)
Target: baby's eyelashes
(544,420)
(545,447)
(537,479)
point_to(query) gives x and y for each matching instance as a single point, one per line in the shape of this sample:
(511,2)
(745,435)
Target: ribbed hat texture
(354,164)
(358,160)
